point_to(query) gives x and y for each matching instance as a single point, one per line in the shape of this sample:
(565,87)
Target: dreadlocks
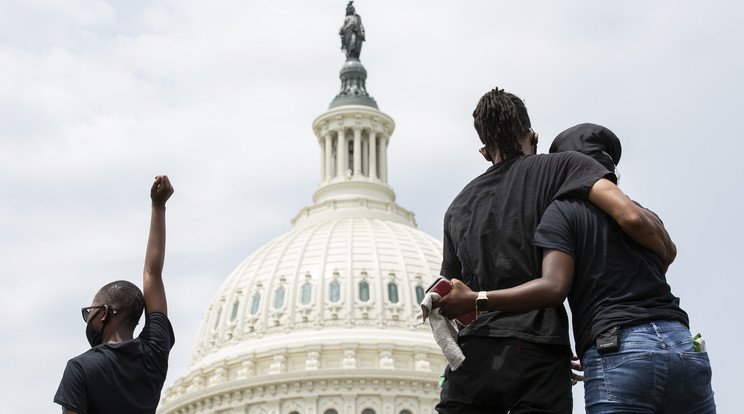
(501,121)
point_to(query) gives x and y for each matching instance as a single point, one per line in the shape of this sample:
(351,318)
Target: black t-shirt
(121,378)
(488,232)
(616,281)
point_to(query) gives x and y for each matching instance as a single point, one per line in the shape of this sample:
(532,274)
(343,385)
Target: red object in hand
(443,288)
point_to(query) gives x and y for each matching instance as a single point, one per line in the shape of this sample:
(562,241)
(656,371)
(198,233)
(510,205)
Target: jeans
(654,371)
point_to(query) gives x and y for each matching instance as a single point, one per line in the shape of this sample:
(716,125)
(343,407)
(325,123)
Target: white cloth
(444,330)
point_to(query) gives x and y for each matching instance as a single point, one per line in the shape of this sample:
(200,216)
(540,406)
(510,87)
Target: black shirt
(616,281)
(488,232)
(121,378)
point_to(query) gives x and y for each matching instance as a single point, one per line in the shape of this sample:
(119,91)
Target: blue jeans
(654,371)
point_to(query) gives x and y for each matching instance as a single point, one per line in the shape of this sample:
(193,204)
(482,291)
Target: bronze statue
(352,33)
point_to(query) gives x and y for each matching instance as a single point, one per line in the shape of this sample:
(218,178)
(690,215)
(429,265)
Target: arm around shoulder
(640,224)
(153,288)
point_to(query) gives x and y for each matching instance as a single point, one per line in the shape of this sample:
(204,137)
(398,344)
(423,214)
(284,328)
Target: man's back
(616,281)
(488,232)
(125,377)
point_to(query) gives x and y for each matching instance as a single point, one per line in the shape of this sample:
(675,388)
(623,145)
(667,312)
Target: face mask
(94,337)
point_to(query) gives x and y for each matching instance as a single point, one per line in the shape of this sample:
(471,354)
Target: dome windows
(217,319)
(364,291)
(392,292)
(279,297)
(306,293)
(419,294)
(234,313)
(255,302)
(334,293)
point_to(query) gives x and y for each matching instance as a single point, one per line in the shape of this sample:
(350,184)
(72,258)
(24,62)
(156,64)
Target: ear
(485,154)
(105,313)
(535,137)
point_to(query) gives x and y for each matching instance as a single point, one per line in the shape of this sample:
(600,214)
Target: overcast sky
(97,97)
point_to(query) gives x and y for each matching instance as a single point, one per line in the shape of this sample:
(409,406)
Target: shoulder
(567,212)
(571,209)
(158,329)
(567,158)
(569,204)
(88,357)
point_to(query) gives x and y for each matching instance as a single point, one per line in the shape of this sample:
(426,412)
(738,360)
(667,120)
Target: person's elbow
(632,220)
(554,291)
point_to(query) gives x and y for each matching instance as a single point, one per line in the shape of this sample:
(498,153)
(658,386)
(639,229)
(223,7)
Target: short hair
(502,122)
(126,298)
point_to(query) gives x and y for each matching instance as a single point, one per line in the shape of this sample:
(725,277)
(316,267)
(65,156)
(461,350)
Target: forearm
(545,292)
(638,223)
(648,231)
(535,294)
(153,288)
(155,254)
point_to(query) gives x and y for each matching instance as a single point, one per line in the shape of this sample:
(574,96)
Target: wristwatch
(481,303)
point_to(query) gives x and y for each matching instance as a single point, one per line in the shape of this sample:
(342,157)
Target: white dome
(345,273)
(320,318)
(329,299)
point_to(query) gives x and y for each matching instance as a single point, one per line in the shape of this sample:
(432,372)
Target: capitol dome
(319,320)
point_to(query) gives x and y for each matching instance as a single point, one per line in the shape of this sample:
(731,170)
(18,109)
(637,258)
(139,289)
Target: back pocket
(697,373)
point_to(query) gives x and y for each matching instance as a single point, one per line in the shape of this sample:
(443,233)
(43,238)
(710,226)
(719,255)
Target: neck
(117,335)
(527,149)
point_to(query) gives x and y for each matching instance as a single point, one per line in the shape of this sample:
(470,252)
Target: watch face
(482,305)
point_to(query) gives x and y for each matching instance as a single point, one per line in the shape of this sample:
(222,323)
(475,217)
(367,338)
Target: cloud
(97,97)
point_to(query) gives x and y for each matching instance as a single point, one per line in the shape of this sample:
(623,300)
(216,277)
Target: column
(341,150)
(321,141)
(373,154)
(357,152)
(328,163)
(383,158)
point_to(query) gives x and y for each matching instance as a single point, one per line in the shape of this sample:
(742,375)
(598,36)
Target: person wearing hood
(120,373)
(631,335)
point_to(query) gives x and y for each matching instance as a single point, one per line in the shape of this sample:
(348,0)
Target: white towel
(444,330)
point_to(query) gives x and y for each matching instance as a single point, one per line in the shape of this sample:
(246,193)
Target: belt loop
(658,331)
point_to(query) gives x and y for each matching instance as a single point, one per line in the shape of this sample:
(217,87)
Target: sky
(97,97)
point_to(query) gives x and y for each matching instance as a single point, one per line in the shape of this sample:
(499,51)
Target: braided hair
(501,121)
(124,297)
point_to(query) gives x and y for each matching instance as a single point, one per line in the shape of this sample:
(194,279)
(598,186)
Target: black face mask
(94,337)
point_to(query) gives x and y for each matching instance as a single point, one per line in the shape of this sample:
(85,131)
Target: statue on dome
(352,33)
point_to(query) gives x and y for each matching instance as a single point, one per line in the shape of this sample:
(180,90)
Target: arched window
(368,411)
(307,290)
(364,291)
(295,412)
(330,411)
(419,294)
(279,298)
(335,291)
(234,313)
(217,319)
(393,292)
(254,303)
(405,412)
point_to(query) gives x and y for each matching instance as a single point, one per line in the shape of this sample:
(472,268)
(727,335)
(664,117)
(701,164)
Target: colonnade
(353,152)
